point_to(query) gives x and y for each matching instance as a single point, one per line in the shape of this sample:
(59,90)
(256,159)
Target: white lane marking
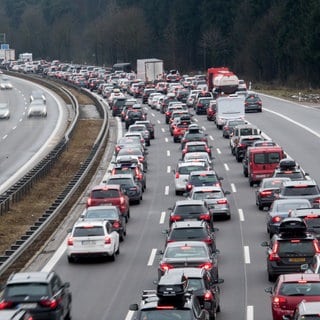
(162,217)
(218,151)
(294,122)
(233,188)
(241,215)
(166,139)
(166,190)
(14,128)
(168,169)
(250,313)
(20,120)
(56,257)
(163,130)
(246,254)
(5,137)
(153,114)
(159,121)
(152,256)
(129,315)
(211,138)
(226,167)
(168,153)
(196,120)
(204,128)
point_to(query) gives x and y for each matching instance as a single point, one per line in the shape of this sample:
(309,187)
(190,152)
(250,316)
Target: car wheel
(68,315)
(219,308)
(245,173)
(121,236)
(177,192)
(238,158)
(251,183)
(118,251)
(260,207)
(213,316)
(272,277)
(113,256)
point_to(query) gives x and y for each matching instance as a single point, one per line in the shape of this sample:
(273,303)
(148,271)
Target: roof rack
(292,227)
(287,164)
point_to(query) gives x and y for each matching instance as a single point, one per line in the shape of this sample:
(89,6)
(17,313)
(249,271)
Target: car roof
(27,277)
(300,183)
(188,224)
(191,164)
(188,272)
(308,308)
(93,223)
(187,243)
(98,208)
(203,172)
(299,276)
(188,202)
(206,188)
(106,187)
(121,176)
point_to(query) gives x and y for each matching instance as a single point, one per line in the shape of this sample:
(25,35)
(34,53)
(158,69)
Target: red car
(290,290)
(179,130)
(211,111)
(110,194)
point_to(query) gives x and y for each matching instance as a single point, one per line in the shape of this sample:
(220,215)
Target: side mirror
(218,281)
(268,290)
(220,178)
(165,231)
(69,230)
(265,244)
(66,285)
(227,192)
(134,307)
(214,229)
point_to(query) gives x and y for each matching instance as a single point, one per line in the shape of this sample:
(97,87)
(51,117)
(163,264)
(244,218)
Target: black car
(133,116)
(171,301)
(132,188)
(244,142)
(290,249)
(202,285)
(43,294)
(185,254)
(192,230)
(252,102)
(194,133)
(117,106)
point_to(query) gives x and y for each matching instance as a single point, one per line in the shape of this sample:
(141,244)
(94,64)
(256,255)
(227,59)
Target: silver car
(4,110)
(37,109)
(182,172)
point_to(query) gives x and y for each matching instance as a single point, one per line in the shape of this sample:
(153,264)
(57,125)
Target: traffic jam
(185,124)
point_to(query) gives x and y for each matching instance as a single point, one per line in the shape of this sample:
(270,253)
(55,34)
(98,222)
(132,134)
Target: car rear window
(302,288)
(187,233)
(296,247)
(102,194)
(201,179)
(202,195)
(88,231)
(248,132)
(307,190)
(27,289)
(101,214)
(186,252)
(121,181)
(187,170)
(265,158)
(189,209)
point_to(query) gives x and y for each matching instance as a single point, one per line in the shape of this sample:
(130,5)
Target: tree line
(262,40)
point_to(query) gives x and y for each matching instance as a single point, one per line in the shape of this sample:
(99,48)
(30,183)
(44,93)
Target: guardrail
(23,186)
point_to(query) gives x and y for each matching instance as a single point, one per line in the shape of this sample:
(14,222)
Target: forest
(264,40)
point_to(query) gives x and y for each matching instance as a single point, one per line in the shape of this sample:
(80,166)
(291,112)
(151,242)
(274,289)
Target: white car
(38,94)
(37,108)
(5,83)
(92,239)
(182,172)
(4,111)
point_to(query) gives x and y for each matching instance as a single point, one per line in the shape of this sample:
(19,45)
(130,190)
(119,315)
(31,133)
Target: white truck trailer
(149,70)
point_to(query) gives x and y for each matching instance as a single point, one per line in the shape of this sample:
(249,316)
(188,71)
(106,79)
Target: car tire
(177,193)
(272,277)
(118,251)
(245,173)
(71,259)
(238,158)
(113,256)
(260,207)
(251,183)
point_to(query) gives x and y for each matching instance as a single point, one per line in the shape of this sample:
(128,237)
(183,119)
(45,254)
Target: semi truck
(222,80)
(149,70)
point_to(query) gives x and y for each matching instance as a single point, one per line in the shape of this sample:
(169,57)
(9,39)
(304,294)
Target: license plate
(189,219)
(297,259)
(88,242)
(27,305)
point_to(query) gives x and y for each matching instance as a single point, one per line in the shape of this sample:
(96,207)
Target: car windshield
(296,247)
(300,288)
(187,209)
(203,179)
(308,190)
(186,252)
(163,314)
(101,194)
(88,231)
(202,195)
(187,233)
(195,284)
(188,169)
(26,289)
(101,214)
(121,181)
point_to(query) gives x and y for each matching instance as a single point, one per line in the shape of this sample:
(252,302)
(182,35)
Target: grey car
(4,110)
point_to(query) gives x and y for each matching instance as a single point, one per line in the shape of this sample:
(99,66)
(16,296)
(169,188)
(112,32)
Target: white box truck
(149,70)
(229,107)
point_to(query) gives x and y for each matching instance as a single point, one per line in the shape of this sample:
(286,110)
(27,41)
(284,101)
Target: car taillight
(208,240)
(177,175)
(265,193)
(189,186)
(316,201)
(273,256)
(175,218)
(206,266)
(208,296)
(121,200)
(49,303)
(133,188)
(276,219)
(279,301)
(316,245)
(5,304)
(70,241)
(116,224)
(165,267)
(107,240)
(167,113)
(118,149)
(141,159)
(89,202)
(205,216)
(241,145)
(222,201)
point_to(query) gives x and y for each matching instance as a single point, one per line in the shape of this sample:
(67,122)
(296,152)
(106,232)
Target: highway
(23,140)
(104,290)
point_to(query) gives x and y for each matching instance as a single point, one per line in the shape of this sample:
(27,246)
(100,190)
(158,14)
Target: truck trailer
(149,70)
